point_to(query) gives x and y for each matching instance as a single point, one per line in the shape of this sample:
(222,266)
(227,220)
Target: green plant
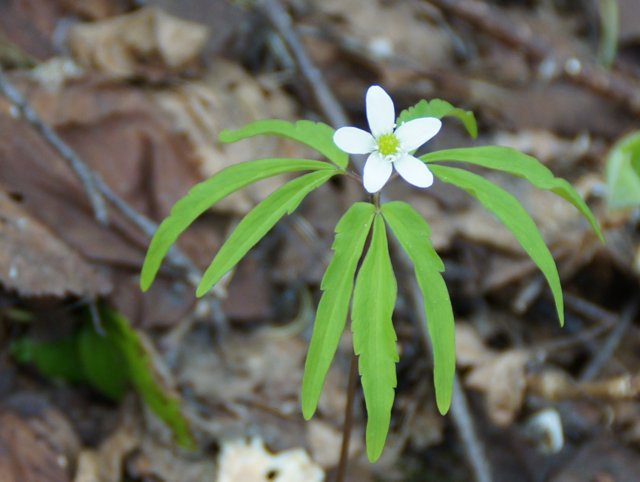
(623,173)
(371,289)
(109,363)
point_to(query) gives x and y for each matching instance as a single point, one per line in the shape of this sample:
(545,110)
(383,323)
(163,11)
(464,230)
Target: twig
(97,190)
(71,158)
(281,21)
(335,114)
(341,472)
(592,370)
(521,37)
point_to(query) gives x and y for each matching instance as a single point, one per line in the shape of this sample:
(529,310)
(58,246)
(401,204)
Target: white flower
(388,146)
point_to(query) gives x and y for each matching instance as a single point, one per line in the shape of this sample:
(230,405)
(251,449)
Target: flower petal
(377,172)
(354,140)
(380,111)
(414,171)
(416,132)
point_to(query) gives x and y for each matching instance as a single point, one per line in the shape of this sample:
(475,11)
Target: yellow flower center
(388,144)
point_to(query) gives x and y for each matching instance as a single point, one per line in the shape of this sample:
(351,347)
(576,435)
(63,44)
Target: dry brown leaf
(37,442)
(29,24)
(160,461)
(106,463)
(402,31)
(229,98)
(125,46)
(499,375)
(325,441)
(242,461)
(503,381)
(35,262)
(121,134)
(23,458)
(470,348)
(555,385)
(254,383)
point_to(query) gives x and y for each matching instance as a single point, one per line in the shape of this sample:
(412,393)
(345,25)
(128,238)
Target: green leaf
(413,234)
(146,381)
(374,339)
(635,164)
(337,285)
(109,364)
(439,108)
(316,135)
(623,172)
(515,162)
(205,194)
(511,213)
(57,359)
(609,30)
(81,357)
(103,364)
(258,222)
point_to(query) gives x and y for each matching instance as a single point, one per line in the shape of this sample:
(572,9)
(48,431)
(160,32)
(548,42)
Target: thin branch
(341,473)
(67,153)
(281,21)
(592,370)
(96,189)
(335,114)
(522,38)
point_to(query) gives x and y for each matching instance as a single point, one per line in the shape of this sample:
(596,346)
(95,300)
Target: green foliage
(104,366)
(515,162)
(413,234)
(56,359)
(373,294)
(316,135)
(635,165)
(258,222)
(439,108)
(623,173)
(337,284)
(163,402)
(374,338)
(109,363)
(207,193)
(609,30)
(511,213)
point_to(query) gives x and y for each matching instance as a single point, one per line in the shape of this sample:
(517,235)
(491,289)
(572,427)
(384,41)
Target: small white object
(573,66)
(545,430)
(381,47)
(249,461)
(14,112)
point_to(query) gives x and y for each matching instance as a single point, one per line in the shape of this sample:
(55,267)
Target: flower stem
(348,420)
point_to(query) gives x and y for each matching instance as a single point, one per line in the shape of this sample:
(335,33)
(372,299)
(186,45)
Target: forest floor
(139,92)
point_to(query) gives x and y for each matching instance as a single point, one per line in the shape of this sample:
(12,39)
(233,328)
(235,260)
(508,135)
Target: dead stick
(67,153)
(341,472)
(96,189)
(592,370)
(520,36)
(281,21)
(336,115)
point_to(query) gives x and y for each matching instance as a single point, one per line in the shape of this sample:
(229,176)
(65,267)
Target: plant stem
(348,420)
